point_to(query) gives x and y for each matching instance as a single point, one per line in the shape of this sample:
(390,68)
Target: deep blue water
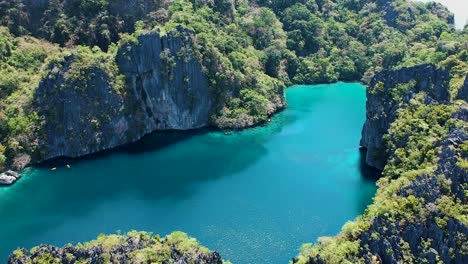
(255,196)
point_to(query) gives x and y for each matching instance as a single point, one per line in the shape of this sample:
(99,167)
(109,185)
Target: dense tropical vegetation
(250,50)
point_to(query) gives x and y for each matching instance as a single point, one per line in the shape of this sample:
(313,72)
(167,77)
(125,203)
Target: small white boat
(54,168)
(68,166)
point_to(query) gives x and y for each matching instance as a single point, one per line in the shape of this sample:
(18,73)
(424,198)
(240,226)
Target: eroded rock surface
(382,106)
(165,89)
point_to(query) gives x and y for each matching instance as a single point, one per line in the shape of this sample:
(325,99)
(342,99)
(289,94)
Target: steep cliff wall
(387,91)
(438,231)
(420,139)
(88,108)
(166,80)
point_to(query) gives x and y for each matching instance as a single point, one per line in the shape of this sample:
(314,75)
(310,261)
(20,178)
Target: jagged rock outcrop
(84,112)
(382,104)
(442,12)
(391,14)
(387,240)
(134,247)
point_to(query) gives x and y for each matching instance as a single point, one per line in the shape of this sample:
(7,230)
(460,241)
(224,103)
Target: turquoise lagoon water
(255,196)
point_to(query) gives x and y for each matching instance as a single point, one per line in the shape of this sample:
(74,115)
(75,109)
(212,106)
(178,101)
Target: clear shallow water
(255,196)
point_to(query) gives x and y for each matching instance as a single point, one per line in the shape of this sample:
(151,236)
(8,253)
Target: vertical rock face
(79,119)
(165,77)
(418,214)
(445,241)
(381,105)
(165,89)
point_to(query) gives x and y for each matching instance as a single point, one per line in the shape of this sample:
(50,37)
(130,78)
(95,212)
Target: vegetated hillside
(248,52)
(133,247)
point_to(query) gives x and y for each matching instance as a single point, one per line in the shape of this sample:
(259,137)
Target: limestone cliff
(84,110)
(385,96)
(419,137)
(438,235)
(167,80)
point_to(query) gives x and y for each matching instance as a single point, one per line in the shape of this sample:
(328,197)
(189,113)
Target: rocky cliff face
(463,92)
(166,80)
(85,112)
(437,236)
(419,136)
(386,93)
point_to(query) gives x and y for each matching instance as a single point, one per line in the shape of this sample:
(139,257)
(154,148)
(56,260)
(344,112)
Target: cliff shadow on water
(368,172)
(155,168)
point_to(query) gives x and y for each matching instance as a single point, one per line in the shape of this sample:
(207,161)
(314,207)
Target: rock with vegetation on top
(78,77)
(388,89)
(419,211)
(92,102)
(133,247)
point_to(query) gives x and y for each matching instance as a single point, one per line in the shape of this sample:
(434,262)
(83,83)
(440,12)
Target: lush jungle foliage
(314,41)
(249,49)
